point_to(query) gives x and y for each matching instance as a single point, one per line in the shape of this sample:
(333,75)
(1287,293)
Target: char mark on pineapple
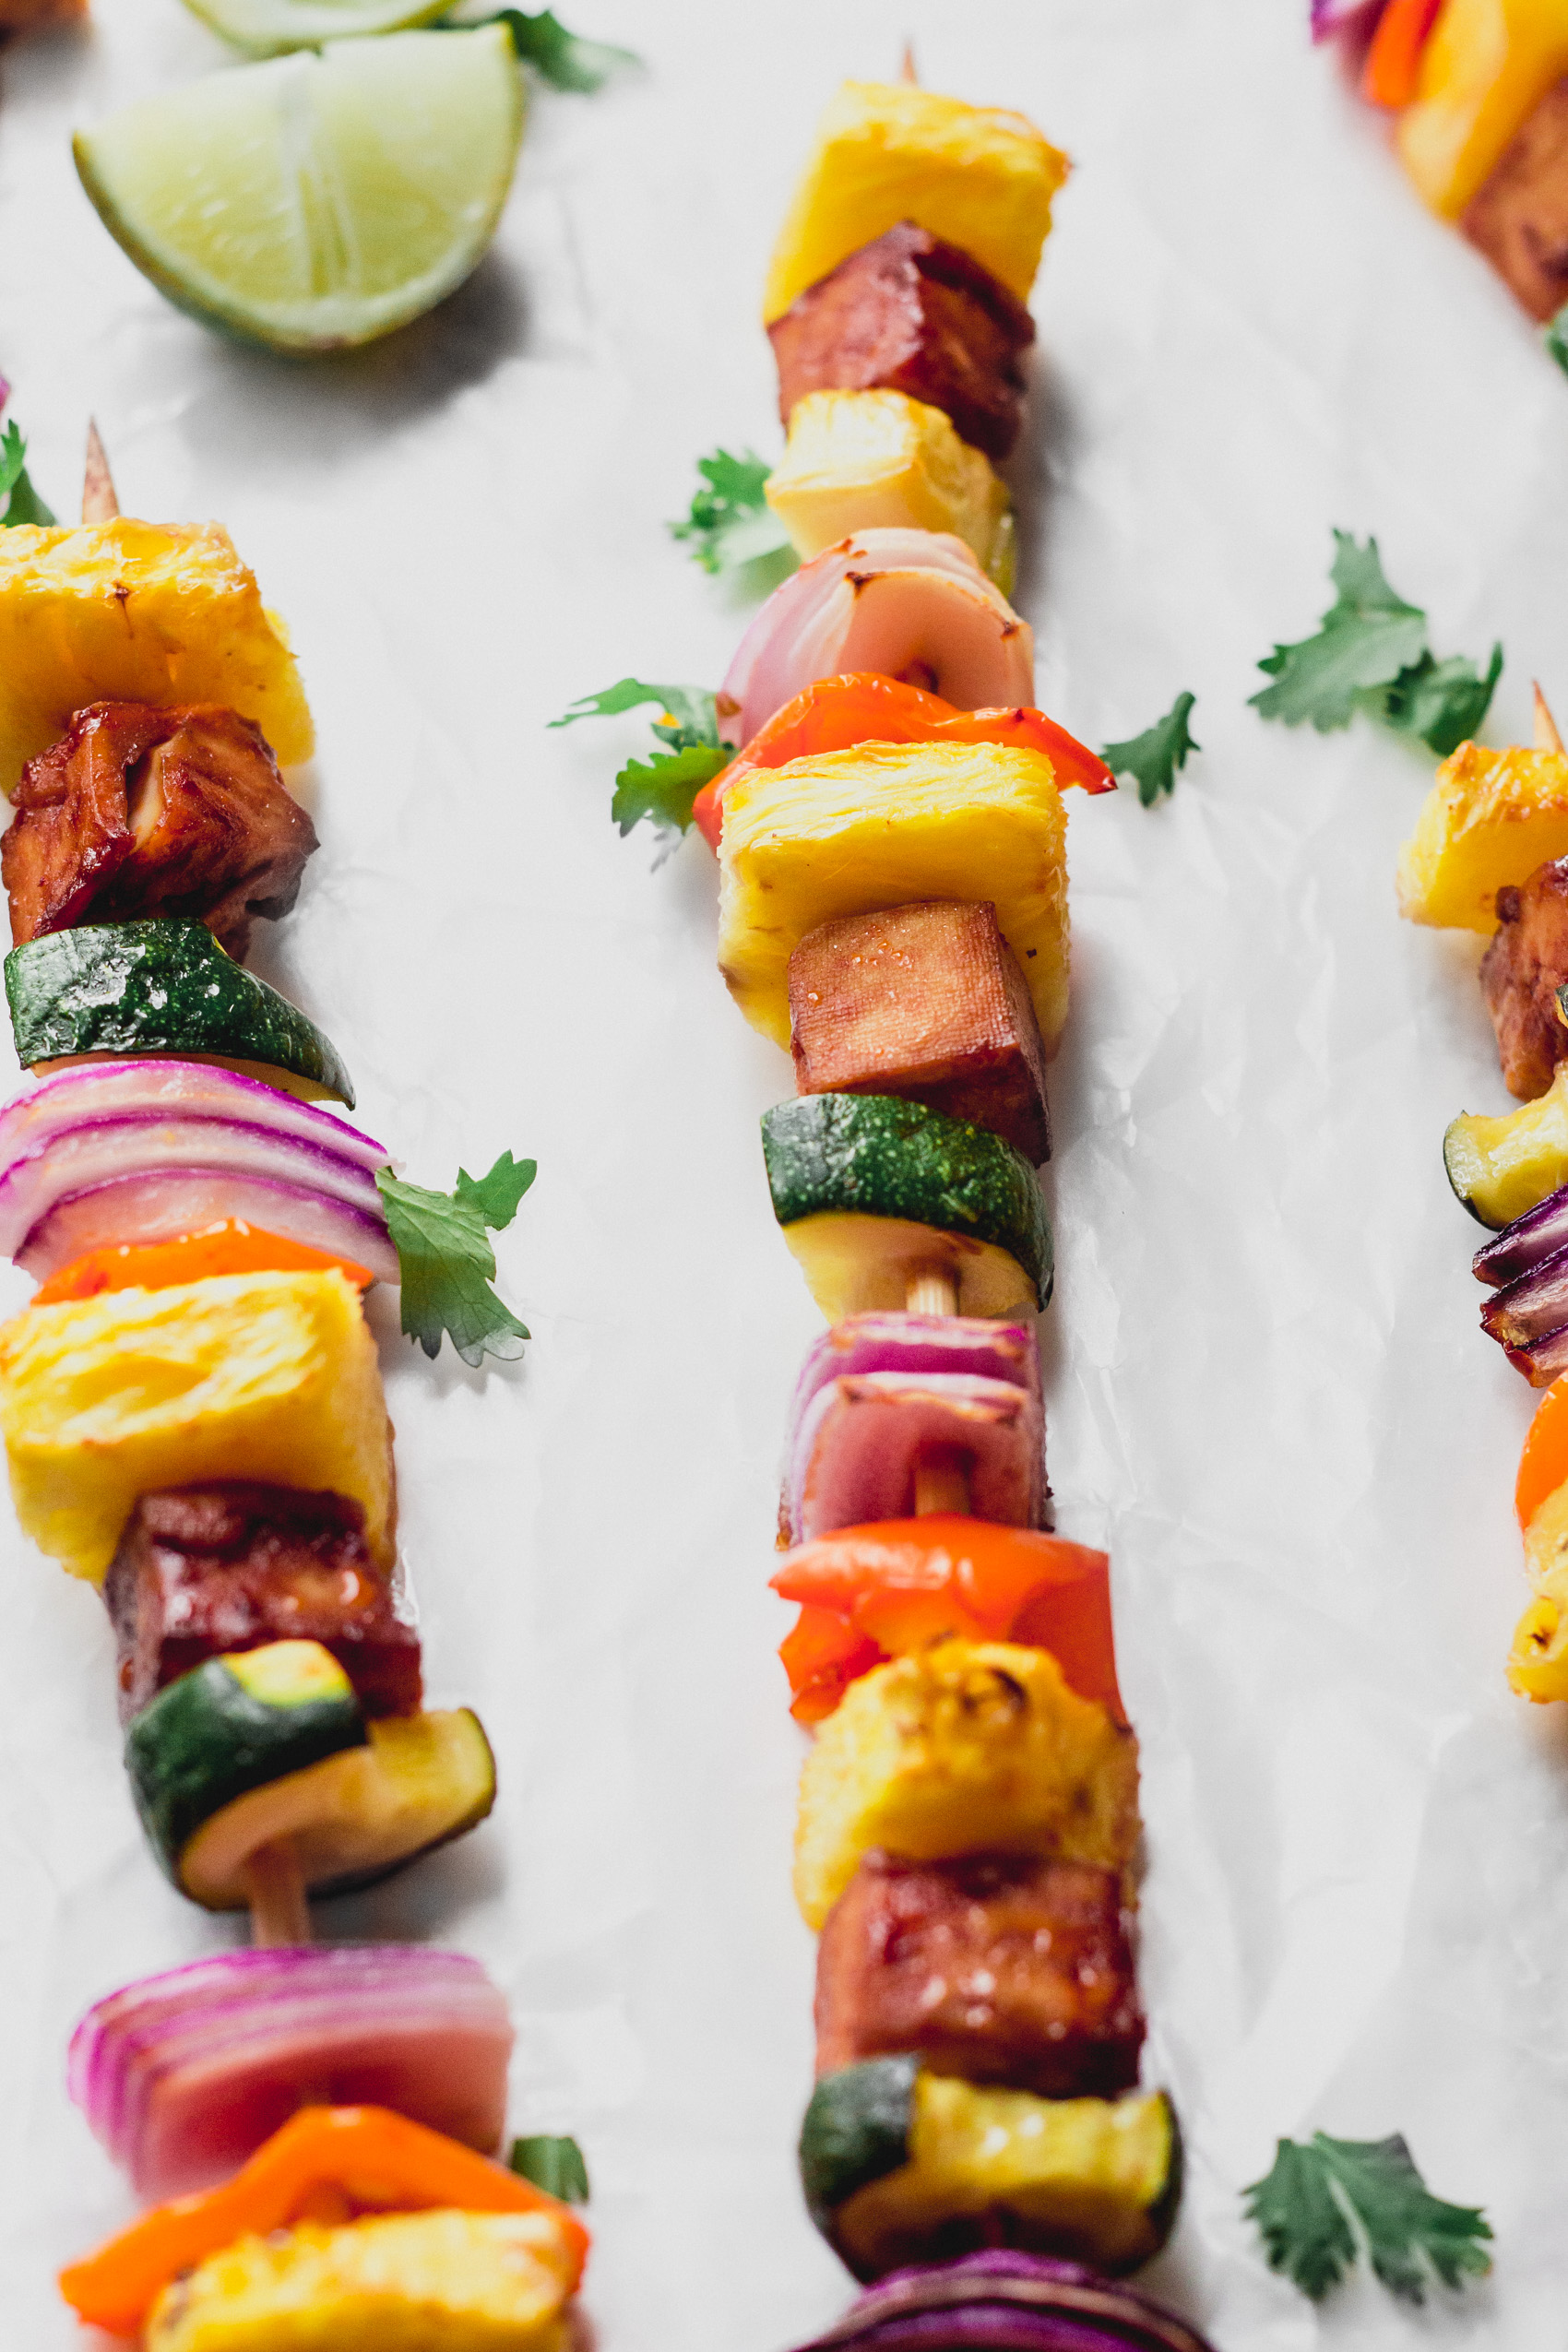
(205,1571)
(999,1968)
(1520,972)
(137,810)
(1520,217)
(911,314)
(927,1001)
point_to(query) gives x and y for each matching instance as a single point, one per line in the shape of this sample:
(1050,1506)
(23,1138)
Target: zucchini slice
(900,2166)
(871,1190)
(160,986)
(420,1780)
(1499,1167)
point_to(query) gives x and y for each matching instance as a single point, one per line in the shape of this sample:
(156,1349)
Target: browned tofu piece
(999,1967)
(910,314)
(137,810)
(203,1571)
(926,1001)
(35,16)
(1522,971)
(1519,216)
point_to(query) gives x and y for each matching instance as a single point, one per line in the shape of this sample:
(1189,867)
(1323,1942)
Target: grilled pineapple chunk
(845,833)
(964,1746)
(128,611)
(889,152)
(241,1376)
(425,2282)
(1485,69)
(1491,818)
(860,462)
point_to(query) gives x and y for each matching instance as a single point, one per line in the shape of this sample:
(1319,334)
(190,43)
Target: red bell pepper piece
(1394,61)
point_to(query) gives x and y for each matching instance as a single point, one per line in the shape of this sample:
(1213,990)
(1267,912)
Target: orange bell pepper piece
(232,1247)
(1394,61)
(835,714)
(340,2161)
(903,1584)
(1543,1464)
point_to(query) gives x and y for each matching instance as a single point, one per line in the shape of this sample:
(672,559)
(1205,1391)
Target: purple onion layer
(1539,1234)
(1005,2301)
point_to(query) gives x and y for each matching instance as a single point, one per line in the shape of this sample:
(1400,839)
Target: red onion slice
(184,2075)
(854,1452)
(1539,1234)
(909,1343)
(98,1090)
(1004,2301)
(166,1202)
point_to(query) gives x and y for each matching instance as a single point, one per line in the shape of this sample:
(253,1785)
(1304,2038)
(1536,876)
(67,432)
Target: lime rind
(273,28)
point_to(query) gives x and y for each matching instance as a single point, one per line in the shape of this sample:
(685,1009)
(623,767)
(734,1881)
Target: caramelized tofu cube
(1519,216)
(925,1001)
(138,810)
(203,1571)
(911,314)
(1521,973)
(998,1968)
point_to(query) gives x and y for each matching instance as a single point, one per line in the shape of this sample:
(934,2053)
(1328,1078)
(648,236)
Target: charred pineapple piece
(975,176)
(968,1747)
(1491,818)
(129,612)
(869,460)
(927,1001)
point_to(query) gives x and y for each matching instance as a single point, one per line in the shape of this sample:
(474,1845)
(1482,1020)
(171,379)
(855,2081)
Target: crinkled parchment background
(1267,1390)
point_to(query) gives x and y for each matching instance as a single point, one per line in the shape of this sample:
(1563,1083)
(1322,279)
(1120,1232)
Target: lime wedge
(318,200)
(268,27)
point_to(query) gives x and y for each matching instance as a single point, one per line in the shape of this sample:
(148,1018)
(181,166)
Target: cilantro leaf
(1557,338)
(663,789)
(1368,636)
(1443,702)
(730,523)
(446,1264)
(691,713)
(1154,757)
(554,2164)
(1325,2201)
(23,503)
(558,57)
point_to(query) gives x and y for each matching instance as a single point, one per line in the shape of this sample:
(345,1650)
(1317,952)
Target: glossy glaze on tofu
(1521,973)
(137,810)
(204,1571)
(911,314)
(1519,218)
(1000,1968)
(927,1001)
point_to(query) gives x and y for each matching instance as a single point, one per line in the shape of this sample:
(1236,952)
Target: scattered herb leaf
(1371,654)
(663,789)
(23,503)
(1557,338)
(554,2164)
(1154,757)
(731,523)
(559,57)
(1326,2201)
(446,1262)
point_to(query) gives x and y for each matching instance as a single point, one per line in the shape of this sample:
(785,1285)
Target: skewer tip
(100,504)
(1547,737)
(908,71)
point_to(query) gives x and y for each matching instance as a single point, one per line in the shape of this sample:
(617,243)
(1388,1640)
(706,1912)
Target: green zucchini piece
(160,986)
(1501,1168)
(875,1157)
(229,1726)
(900,2166)
(421,1780)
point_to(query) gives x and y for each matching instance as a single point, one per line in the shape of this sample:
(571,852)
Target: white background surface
(1266,1388)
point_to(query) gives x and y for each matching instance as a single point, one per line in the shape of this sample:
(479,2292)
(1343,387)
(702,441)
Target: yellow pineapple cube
(1484,70)
(241,1376)
(981,178)
(860,462)
(422,2282)
(128,611)
(846,833)
(966,1745)
(1492,817)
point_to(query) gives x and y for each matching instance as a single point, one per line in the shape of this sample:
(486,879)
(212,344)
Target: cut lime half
(269,28)
(318,200)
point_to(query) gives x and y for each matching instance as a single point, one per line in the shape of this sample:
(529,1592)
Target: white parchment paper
(1266,1386)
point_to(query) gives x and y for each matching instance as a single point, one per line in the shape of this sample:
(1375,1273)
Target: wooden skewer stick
(931,1291)
(100,504)
(907,72)
(942,1476)
(280,1909)
(1547,737)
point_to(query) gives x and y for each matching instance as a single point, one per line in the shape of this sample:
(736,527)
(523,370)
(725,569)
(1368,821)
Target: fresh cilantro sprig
(1370,653)
(1153,758)
(1328,2200)
(663,789)
(730,523)
(552,2163)
(23,503)
(447,1265)
(561,58)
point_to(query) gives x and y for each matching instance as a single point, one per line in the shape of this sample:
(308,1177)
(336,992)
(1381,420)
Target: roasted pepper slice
(232,1247)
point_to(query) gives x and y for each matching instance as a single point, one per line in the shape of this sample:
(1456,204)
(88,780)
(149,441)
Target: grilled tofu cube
(910,314)
(872,460)
(975,176)
(1521,973)
(970,1747)
(1520,217)
(127,612)
(270,1376)
(37,15)
(206,1571)
(855,832)
(925,1001)
(424,2282)
(1000,1969)
(1491,818)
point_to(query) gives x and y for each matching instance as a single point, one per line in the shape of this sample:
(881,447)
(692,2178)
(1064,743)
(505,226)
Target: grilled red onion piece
(1544,1360)
(1532,1307)
(166,1202)
(1540,1233)
(95,1091)
(880,1342)
(1004,2301)
(854,1452)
